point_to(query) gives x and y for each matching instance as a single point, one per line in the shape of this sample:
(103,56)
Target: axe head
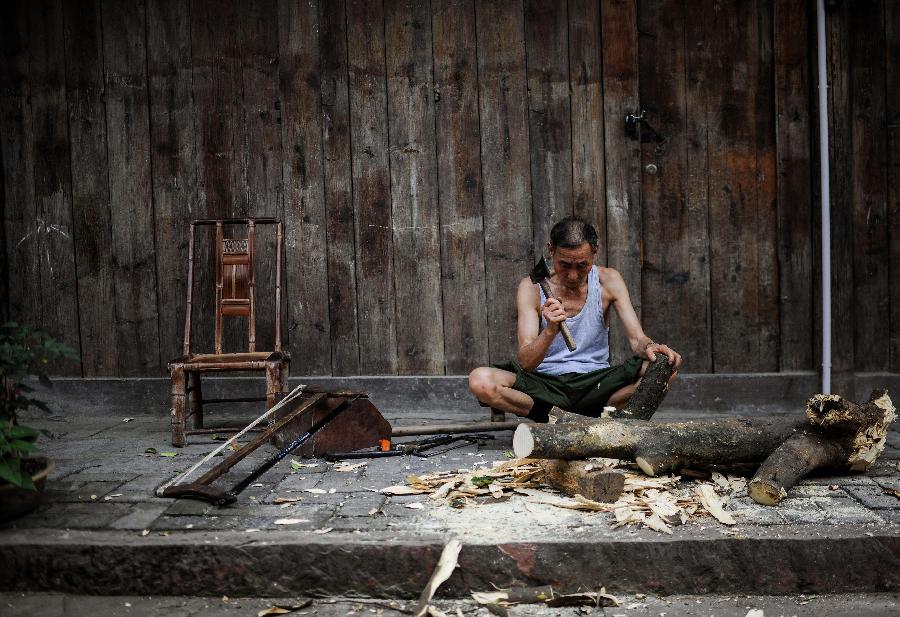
(540,271)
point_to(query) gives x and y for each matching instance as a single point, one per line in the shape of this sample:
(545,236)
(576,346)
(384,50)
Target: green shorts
(582,393)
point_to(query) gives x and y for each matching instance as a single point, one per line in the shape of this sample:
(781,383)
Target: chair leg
(178,396)
(284,373)
(273,383)
(195,399)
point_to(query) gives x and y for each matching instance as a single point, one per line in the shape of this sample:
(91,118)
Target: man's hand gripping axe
(539,275)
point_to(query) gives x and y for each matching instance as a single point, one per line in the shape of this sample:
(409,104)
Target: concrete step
(791,559)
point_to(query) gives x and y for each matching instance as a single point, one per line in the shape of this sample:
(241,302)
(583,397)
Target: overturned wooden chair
(234,297)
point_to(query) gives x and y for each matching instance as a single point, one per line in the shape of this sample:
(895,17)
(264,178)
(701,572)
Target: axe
(539,275)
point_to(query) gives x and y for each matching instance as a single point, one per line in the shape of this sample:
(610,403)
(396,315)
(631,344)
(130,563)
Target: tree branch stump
(841,434)
(584,478)
(649,394)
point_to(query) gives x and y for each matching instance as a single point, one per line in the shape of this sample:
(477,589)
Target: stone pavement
(103,532)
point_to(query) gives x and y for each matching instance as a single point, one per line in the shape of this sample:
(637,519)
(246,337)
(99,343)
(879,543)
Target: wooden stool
(235,297)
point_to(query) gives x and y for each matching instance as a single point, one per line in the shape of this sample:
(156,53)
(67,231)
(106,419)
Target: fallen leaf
(401,490)
(127,419)
(283,609)
(168,454)
(150,451)
(325,530)
(145,532)
(298,465)
(278,500)
(291,521)
(316,491)
(445,566)
(108,497)
(892,491)
(416,505)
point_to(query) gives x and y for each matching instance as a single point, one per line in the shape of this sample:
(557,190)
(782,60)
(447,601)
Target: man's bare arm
(533,342)
(641,344)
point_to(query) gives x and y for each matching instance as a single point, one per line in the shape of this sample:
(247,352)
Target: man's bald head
(572,232)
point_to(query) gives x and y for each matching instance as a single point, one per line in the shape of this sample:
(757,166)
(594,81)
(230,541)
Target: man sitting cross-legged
(545,372)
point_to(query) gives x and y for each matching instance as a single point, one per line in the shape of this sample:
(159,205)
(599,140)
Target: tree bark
(658,447)
(841,434)
(580,478)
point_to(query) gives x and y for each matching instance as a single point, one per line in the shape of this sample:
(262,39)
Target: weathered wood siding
(419,153)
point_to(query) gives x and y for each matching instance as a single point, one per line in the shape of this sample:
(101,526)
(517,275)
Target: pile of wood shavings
(657,503)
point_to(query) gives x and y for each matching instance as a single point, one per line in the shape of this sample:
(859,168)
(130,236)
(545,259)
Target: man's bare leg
(493,386)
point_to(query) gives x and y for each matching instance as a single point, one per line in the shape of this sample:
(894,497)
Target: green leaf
(482,481)
(22,432)
(150,451)
(12,473)
(168,454)
(22,446)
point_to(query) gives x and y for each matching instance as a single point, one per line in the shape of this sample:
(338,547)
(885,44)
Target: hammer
(539,275)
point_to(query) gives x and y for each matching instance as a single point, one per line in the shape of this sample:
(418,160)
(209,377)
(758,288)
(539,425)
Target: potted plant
(24,352)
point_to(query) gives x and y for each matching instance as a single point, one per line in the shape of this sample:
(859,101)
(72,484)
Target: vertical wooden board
(21,232)
(173,161)
(4,261)
(698,74)
(549,121)
(52,179)
(623,155)
(892,115)
(765,235)
(843,303)
(371,188)
(260,149)
(339,217)
(216,91)
(586,99)
(505,169)
(90,187)
(792,127)
(304,206)
(130,190)
(675,290)
(459,186)
(414,206)
(733,216)
(869,160)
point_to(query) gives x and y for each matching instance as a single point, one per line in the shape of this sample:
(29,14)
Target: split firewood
(649,394)
(840,434)
(584,478)
(658,447)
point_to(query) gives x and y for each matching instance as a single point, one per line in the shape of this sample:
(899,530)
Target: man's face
(571,265)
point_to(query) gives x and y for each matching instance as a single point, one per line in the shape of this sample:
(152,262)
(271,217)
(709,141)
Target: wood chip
(712,503)
(401,490)
(291,521)
(445,566)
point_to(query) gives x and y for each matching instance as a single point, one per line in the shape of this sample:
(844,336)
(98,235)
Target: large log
(840,435)
(658,447)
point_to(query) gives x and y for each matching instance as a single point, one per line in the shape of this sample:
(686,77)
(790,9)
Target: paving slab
(103,532)
(630,605)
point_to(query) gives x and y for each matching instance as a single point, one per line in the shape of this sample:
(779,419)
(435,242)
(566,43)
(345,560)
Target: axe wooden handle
(564,328)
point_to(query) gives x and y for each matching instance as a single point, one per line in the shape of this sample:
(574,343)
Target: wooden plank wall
(419,153)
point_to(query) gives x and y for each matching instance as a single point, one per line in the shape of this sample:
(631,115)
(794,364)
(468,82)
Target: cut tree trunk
(658,447)
(649,394)
(840,434)
(584,478)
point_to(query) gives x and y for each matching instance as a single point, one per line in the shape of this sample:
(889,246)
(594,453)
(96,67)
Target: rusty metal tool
(539,275)
(219,497)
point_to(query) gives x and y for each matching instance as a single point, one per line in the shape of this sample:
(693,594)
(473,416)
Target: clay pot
(16,502)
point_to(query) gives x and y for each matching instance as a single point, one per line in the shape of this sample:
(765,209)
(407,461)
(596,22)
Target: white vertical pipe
(826,199)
